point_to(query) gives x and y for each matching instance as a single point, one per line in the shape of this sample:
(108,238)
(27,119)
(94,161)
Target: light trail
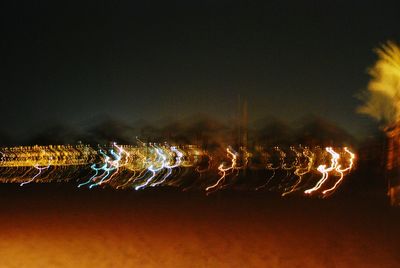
(325,171)
(341,172)
(232,155)
(40,169)
(154,165)
(161,159)
(178,161)
(301,171)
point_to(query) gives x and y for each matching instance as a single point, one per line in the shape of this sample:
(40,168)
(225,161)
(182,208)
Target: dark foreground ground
(61,226)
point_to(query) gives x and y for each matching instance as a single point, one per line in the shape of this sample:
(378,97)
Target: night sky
(76,63)
(72,62)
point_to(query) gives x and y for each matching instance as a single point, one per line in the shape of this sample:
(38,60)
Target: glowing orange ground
(53,227)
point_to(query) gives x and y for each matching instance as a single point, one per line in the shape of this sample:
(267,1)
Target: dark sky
(72,62)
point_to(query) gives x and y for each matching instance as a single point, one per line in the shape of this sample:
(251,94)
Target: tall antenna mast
(242,122)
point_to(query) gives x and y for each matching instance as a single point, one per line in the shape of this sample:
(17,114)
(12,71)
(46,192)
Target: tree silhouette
(382,96)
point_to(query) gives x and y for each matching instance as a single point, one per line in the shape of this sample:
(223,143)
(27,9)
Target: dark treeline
(201,130)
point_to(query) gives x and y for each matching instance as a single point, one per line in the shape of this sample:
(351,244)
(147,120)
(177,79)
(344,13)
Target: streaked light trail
(137,167)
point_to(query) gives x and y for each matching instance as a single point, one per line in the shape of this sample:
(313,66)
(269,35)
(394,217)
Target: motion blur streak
(223,170)
(34,177)
(325,171)
(289,170)
(341,172)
